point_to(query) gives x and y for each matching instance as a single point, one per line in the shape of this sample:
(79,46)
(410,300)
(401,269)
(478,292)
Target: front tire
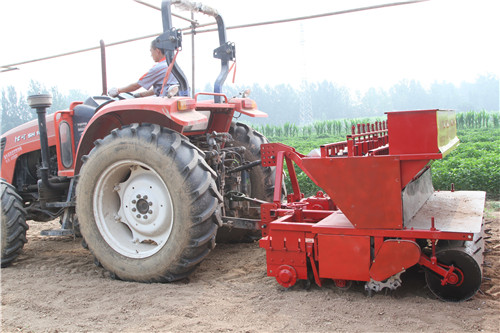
(147,204)
(14,224)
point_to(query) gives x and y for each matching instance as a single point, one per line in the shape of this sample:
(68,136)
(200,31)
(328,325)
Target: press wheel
(467,269)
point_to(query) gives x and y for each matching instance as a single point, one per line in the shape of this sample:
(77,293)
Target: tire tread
(14,222)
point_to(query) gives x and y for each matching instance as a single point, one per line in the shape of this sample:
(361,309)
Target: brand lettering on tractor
(24,136)
(12,154)
(32,134)
(81,127)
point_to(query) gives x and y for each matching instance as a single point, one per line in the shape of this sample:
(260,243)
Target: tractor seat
(83,113)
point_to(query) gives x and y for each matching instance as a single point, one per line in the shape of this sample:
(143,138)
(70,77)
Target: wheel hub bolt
(142,206)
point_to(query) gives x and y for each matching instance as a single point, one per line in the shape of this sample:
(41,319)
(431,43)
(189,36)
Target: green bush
(474,165)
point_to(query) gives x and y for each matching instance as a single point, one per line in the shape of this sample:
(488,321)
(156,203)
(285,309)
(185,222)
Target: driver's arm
(147,93)
(131,87)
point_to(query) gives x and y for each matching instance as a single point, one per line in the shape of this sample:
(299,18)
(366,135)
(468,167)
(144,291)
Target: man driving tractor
(152,81)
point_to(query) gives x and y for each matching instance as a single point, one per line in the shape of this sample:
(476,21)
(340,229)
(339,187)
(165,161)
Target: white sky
(438,40)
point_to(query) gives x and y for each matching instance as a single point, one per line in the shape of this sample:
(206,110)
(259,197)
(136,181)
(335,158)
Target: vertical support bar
(350,146)
(309,247)
(278,178)
(293,180)
(103,68)
(324,151)
(193,66)
(170,41)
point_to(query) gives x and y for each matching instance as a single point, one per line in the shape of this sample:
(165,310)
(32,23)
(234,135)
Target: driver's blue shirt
(154,78)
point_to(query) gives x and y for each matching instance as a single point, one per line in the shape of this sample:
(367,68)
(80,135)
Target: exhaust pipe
(103,69)
(41,103)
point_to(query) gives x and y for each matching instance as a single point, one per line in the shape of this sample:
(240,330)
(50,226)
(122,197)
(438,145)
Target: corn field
(319,128)
(478,119)
(341,127)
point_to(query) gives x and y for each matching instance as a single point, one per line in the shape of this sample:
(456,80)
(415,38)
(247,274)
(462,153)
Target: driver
(153,78)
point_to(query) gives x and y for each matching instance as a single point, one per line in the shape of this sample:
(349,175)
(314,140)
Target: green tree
(15,108)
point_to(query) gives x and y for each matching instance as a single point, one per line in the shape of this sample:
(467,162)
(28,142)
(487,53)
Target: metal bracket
(170,40)
(225,52)
(238,196)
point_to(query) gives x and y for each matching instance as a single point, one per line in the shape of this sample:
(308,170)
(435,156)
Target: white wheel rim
(133,209)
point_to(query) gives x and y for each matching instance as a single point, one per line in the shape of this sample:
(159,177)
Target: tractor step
(57,232)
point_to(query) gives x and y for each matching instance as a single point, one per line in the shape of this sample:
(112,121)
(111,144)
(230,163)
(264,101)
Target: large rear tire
(14,224)
(147,204)
(261,181)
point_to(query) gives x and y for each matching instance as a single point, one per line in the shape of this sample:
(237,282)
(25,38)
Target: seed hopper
(379,213)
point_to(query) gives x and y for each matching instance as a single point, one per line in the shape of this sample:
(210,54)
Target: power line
(347,11)
(189,30)
(79,51)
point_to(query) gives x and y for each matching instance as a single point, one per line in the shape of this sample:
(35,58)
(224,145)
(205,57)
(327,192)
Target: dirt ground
(54,286)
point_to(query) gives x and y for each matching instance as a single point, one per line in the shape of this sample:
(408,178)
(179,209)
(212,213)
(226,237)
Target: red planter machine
(380,214)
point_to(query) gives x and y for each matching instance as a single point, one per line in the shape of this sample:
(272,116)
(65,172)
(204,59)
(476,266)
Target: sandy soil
(54,286)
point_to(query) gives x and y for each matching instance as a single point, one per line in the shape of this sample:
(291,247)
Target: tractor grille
(3,141)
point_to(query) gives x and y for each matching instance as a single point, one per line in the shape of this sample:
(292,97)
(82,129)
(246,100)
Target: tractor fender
(154,110)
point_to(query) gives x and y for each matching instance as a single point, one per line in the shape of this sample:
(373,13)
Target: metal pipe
(103,69)
(219,82)
(158,8)
(170,51)
(193,65)
(41,103)
(245,166)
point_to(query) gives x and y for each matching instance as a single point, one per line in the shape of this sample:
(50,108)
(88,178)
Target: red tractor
(147,182)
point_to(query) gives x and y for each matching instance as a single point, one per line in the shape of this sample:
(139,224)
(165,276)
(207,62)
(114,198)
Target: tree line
(15,108)
(325,100)
(312,101)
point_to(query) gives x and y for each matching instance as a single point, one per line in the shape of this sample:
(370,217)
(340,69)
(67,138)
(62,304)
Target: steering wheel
(126,95)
